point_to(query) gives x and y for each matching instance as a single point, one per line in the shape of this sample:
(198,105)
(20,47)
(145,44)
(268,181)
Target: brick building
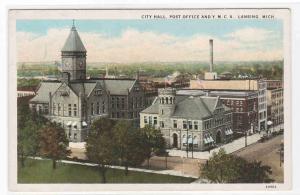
(275,106)
(256,85)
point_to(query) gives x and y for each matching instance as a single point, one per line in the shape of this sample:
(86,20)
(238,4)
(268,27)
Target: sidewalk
(229,148)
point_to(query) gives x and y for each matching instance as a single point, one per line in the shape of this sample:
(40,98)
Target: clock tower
(73,56)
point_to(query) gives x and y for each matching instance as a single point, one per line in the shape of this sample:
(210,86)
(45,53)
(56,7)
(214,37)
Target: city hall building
(196,122)
(75,102)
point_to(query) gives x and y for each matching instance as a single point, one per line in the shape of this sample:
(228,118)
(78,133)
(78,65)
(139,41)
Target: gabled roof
(195,107)
(153,108)
(87,87)
(189,107)
(73,42)
(117,86)
(42,94)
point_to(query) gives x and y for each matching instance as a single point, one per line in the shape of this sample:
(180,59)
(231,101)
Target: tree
(129,144)
(100,145)
(227,168)
(54,142)
(28,125)
(153,140)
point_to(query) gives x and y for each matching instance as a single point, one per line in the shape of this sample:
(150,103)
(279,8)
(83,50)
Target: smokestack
(211,62)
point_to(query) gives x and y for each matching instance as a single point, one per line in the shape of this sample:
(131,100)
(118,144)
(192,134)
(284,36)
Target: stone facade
(197,122)
(75,102)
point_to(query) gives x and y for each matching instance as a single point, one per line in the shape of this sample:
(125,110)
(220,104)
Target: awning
(211,139)
(226,132)
(74,124)
(69,123)
(205,141)
(230,131)
(84,124)
(190,140)
(184,140)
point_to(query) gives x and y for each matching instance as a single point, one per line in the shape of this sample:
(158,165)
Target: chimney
(211,62)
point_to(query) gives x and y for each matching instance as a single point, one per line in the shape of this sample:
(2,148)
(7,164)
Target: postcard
(149,99)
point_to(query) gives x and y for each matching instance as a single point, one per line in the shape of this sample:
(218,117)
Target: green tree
(28,125)
(100,145)
(54,142)
(129,144)
(154,141)
(227,168)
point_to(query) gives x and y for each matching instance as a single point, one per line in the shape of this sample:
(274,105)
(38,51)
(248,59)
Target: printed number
(271,186)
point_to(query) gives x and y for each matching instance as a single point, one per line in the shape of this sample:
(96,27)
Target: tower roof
(73,42)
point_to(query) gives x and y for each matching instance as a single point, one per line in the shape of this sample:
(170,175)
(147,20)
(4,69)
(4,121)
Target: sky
(137,41)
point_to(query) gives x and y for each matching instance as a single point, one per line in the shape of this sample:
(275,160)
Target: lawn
(40,171)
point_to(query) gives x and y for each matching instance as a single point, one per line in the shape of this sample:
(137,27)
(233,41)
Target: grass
(40,171)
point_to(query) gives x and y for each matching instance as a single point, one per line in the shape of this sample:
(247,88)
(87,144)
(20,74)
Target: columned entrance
(175,140)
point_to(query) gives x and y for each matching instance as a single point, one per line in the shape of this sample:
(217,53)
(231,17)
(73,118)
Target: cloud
(136,46)
(249,35)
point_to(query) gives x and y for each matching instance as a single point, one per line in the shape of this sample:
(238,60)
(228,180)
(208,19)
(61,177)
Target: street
(267,152)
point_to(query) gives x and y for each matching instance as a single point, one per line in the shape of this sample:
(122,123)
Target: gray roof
(79,87)
(73,42)
(195,107)
(117,87)
(153,108)
(189,107)
(42,94)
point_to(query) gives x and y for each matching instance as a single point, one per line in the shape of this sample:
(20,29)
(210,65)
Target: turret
(166,102)
(73,56)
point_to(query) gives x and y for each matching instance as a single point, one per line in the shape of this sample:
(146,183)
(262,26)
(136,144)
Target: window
(75,110)
(122,103)
(155,120)
(150,120)
(175,124)
(184,124)
(136,102)
(103,106)
(112,102)
(162,124)
(141,101)
(70,110)
(162,111)
(145,120)
(54,109)
(75,136)
(118,103)
(40,109)
(190,124)
(98,108)
(98,92)
(46,109)
(58,109)
(92,108)
(196,125)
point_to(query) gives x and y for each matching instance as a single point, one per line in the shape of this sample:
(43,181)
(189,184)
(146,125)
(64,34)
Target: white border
(295,69)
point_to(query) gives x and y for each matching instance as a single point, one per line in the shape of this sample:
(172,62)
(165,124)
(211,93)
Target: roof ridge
(205,106)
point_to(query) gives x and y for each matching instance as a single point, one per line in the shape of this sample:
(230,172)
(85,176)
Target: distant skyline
(137,41)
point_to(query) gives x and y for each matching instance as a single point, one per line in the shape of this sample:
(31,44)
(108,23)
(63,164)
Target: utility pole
(245,138)
(187,143)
